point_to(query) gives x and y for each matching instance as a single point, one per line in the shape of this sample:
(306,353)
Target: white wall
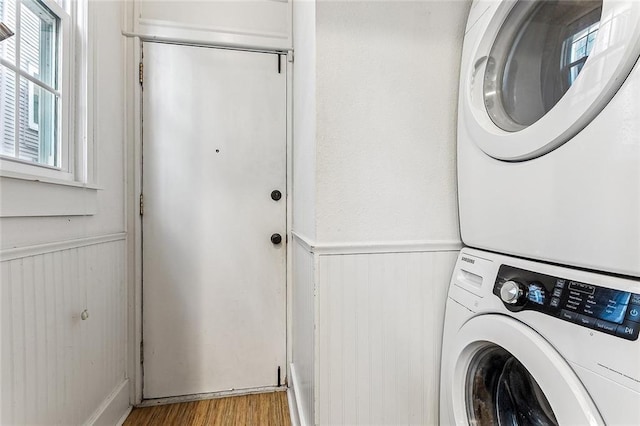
(387,80)
(71,371)
(304,118)
(302,370)
(303,366)
(384,212)
(380,322)
(263,23)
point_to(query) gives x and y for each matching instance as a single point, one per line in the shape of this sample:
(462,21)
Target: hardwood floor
(259,409)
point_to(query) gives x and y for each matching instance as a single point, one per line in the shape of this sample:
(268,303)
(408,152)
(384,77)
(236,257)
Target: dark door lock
(276,195)
(276,238)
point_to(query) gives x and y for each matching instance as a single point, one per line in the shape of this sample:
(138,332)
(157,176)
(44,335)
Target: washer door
(542,70)
(504,373)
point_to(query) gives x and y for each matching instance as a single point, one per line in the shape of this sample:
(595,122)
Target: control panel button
(512,292)
(560,283)
(569,316)
(555,302)
(628,331)
(557,292)
(606,326)
(633,313)
(586,321)
(635,299)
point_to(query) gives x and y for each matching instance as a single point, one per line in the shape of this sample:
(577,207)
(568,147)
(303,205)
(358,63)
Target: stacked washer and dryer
(543,312)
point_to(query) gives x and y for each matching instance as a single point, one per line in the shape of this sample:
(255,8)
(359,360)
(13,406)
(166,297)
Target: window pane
(38,129)
(7,111)
(38,28)
(8,17)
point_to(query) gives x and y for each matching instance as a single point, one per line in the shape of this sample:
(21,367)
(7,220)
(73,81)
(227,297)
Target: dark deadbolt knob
(276,195)
(276,238)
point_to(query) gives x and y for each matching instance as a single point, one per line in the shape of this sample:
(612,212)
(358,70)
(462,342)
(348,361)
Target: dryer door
(504,373)
(542,70)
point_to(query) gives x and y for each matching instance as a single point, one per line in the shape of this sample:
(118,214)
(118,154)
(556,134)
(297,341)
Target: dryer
(528,343)
(549,132)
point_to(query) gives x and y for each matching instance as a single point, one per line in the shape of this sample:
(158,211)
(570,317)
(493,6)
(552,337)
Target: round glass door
(540,71)
(499,371)
(538,54)
(501,391)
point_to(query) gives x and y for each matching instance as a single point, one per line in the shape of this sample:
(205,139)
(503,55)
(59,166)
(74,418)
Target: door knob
(276,195)
(276,238)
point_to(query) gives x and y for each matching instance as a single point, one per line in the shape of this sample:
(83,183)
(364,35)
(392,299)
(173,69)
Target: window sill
(24,195)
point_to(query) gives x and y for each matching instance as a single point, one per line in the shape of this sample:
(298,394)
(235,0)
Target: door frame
(133,189)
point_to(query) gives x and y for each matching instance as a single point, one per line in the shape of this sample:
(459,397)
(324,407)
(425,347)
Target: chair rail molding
(371,247)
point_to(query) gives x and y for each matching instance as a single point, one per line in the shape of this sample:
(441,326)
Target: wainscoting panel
(59,366)
(379,331)
(303,368)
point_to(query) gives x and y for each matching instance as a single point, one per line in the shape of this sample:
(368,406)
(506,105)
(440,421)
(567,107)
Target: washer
(531,343)
(549,132)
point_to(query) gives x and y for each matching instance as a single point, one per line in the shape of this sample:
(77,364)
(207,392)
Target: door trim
(152,402)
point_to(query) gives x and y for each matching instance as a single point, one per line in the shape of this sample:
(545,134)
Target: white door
(214,152)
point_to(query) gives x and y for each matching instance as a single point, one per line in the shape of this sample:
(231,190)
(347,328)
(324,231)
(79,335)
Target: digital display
(608,305)
(536,293)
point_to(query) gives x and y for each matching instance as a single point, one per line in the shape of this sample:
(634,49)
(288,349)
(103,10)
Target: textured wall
(387,78)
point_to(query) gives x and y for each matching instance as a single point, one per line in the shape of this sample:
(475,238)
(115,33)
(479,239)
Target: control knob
(512,293)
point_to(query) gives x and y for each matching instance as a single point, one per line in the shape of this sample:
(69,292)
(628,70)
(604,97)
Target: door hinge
(140,72)
(141,352)
(141,204)
(279,377)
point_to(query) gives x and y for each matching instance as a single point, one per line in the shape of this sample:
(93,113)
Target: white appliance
(549,132)
(530,343)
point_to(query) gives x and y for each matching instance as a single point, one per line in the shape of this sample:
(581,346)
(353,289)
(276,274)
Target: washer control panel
(610,311)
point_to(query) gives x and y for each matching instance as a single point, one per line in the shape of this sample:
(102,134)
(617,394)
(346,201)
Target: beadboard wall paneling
(303,367)
(56,367)
(379,332)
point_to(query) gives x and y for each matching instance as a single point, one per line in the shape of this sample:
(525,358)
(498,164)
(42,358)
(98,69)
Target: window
(579,44)
(35,97)
(46,145)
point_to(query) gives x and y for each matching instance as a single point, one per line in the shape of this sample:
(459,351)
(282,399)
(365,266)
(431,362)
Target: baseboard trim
(152,402)
(125,416)
(114,409)
(38,249)
(299,410)
(373,247)
(293,407)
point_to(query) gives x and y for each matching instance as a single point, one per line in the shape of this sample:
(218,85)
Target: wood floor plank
(259,409)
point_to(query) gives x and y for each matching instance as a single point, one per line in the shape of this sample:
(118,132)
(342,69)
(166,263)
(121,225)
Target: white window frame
(69,189)
(32,111)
